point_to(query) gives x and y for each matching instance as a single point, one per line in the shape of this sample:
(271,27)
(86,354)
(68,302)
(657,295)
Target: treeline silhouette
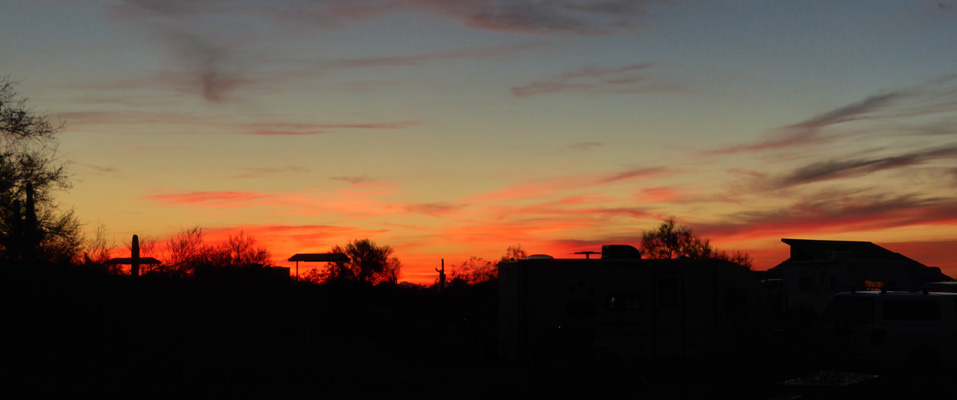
(214,320)
(78,330)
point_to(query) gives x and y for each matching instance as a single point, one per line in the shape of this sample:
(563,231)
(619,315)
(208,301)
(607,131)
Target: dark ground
(72,332)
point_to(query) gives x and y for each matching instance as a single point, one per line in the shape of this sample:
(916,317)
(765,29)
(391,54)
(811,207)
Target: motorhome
(894,330)
(637,308)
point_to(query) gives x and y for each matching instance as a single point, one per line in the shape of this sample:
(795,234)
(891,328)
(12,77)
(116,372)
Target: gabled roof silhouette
(320,257)
(810,250)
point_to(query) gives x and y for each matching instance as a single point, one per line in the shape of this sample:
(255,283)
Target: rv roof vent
(539,257)
(619,251)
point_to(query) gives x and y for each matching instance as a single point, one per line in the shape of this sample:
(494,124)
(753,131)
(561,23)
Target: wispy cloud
(633,173)
(937,98)
(826,213)
(218,47)
(848,168)
(271,127)
(99,169)
(522,16)
(548,17)
(592,80)
(865,109)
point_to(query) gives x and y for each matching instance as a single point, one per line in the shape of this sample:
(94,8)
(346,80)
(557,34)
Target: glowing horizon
(456,130)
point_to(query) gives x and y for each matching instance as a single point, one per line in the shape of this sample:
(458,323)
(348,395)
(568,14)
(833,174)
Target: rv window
(896,310)
(625,302)
(735,303)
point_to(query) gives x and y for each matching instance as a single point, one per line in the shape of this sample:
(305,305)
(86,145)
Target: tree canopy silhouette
(477,270)
(514,252)
(188,250)
(474,271)
(31,227)
(670,240)
(368,263)
(239,250)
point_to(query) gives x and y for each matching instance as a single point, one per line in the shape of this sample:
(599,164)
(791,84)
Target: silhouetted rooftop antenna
(587,253)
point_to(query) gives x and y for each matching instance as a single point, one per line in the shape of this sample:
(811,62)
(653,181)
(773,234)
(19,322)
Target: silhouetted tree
(98,248)
(475,270)
(514,252)
(31,227)
(238,251)
(368,263)
(671,240)
(185,251)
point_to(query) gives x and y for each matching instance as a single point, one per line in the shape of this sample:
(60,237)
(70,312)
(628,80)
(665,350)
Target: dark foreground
(74,332)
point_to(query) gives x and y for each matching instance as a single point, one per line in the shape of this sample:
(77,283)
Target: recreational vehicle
(633,307)
(894,330)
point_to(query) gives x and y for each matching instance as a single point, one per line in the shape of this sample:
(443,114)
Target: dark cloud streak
(214,41)
(836,169)
(937,97)
(838,213)
(590,80)
(632,173)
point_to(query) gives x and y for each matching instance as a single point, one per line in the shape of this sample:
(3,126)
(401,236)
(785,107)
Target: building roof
(320,257)
(812,250)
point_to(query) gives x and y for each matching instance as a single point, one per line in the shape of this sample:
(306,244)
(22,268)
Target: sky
(452,129)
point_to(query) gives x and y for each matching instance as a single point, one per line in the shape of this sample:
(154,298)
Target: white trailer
(632,307)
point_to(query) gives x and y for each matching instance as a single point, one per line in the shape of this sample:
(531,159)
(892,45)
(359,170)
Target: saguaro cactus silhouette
(135,256)
(441,275)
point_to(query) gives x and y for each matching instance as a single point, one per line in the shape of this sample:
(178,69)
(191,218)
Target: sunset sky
(450,129)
